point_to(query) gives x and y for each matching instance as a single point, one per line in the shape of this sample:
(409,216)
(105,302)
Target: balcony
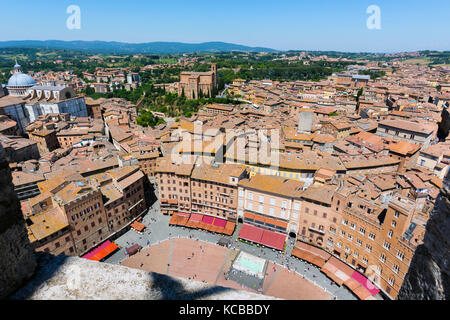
(316,230)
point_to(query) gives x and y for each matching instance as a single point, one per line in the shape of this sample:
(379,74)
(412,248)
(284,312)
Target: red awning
(361,292)
(229,228)
(262,236)
(102,251)
(221,223)
(251,233)
(96,250)
(183,214)
(195,217)
(207,219)
(273,239)
(308,256)
(366,283)
(138,226)
(173,220)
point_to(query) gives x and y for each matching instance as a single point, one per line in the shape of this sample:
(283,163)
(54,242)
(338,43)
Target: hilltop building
(194,84)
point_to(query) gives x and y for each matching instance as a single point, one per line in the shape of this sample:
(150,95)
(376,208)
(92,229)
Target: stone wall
(17,260)
(428,277)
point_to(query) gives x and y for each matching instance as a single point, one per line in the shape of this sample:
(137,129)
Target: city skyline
(291,25)
(226,151)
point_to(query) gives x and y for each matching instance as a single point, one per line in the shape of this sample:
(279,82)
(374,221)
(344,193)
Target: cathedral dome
(19,82)
(19,79)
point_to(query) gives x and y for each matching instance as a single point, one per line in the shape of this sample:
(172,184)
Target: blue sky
(280,24)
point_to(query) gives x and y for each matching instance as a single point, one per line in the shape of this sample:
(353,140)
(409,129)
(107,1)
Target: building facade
(192,84)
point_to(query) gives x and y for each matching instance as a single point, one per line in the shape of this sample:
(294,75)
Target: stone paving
(197,260)
(289,285)
(158,231)
(209,263)
(245,279)
(159,258)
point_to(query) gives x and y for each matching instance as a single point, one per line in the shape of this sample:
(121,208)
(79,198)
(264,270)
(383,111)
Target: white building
(19,82)
(33,100)
(133,78)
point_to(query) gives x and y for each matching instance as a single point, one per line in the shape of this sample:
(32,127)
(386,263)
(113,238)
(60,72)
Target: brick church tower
(214,74)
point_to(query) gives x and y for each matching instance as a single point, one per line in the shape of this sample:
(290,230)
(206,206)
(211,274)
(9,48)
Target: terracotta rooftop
(72,191)
(10,101)
(219,173)
(292,134)
(46,224)
(367,162)
(130,179)
(275,185)
(403,147)
(20,178)
(322,194)
(221,107)
(167,166)
(436,150)
(410,126)
(368,140)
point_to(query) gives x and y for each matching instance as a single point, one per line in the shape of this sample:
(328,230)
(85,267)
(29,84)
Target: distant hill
(133,48)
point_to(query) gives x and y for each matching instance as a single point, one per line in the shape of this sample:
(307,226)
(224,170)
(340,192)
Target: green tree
(147,119)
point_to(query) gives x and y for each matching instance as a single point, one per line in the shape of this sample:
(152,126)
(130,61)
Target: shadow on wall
(444,125)
(446,281)
(17,259)
(172,289)
(428,277)
(47,267)
(149,194)
(55,274)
